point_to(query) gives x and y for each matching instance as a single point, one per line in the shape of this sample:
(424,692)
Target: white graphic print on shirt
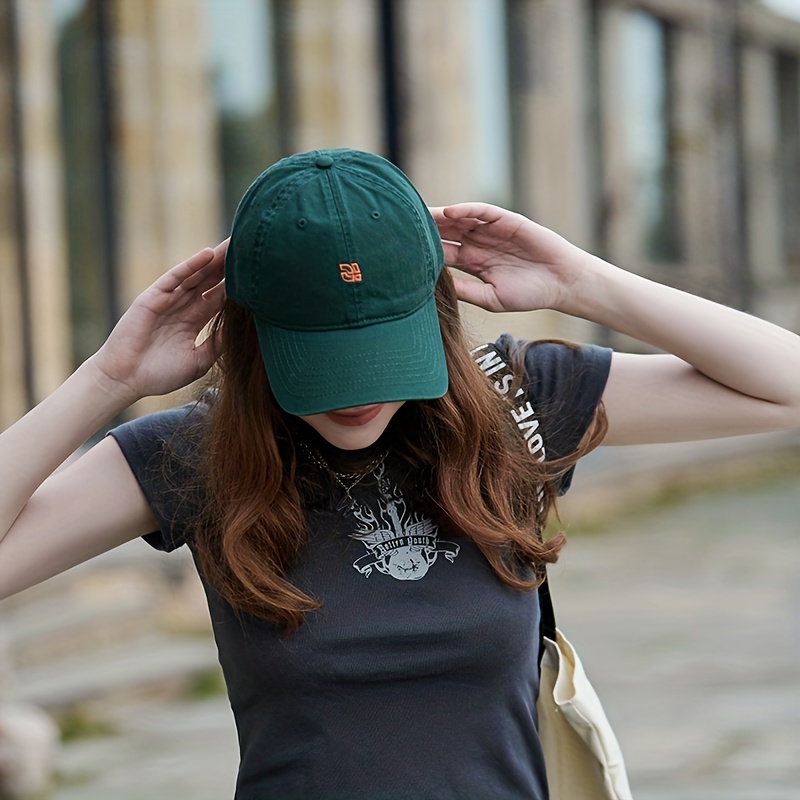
(400,543)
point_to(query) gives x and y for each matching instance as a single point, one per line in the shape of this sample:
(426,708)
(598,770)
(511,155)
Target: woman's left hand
(520,266)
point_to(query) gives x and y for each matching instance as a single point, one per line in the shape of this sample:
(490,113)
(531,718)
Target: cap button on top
(324,162)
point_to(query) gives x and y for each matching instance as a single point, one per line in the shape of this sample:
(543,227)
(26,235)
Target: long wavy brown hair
(485,485)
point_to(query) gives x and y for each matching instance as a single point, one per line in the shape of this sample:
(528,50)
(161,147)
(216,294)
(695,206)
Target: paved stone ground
(688,621)
(687,618)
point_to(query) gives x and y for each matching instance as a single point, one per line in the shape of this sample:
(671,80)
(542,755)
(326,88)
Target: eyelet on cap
(324,162)
(302,222)
(376,215)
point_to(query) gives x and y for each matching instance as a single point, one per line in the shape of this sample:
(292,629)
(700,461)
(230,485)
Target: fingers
(210,276)
(171,280)
(204,267)
(202,307)
(204,353)
(204,279)
(452,252)
(475,212)
(471,221)
(474,292)
(454,257)
(479,222)
(216,294)
(452,233)
(451,229)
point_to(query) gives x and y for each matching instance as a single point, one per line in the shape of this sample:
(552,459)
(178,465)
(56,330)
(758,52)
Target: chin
(353,441)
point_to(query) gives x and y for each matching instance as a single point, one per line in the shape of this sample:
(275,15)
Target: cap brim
(312,372)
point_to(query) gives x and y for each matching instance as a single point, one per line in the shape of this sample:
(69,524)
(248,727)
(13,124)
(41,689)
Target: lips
(354,417)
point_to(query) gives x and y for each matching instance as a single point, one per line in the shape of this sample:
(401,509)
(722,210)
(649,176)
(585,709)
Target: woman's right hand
(153,349)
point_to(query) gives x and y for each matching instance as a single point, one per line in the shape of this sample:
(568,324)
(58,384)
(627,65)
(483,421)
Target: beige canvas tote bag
(582,756)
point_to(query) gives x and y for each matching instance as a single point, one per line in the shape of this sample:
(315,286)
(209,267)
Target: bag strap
(492,363)
(548,616)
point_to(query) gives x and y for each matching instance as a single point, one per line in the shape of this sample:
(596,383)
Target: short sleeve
(162,452)
(564,383)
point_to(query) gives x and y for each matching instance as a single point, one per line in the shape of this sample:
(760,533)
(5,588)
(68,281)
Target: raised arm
(49,522)
(723,372)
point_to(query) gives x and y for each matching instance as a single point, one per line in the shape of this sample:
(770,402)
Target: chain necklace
(347,480)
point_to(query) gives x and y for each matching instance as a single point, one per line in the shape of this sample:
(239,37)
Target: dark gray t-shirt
(418,676)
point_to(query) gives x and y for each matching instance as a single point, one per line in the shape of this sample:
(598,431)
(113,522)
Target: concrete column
(557,148)
(167,167)
(185,128)
(438,134)
(623,221)
(553,147)
(336,68)
(140,245)
(12,365)
(761,132)
(43,197)
(778,296)
(166,160)
(738,279)
(694,120)
(440,140)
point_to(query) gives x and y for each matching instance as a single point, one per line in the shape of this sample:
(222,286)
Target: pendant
(345,504)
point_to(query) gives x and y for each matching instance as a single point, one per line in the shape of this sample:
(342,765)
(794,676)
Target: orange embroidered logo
(351,273)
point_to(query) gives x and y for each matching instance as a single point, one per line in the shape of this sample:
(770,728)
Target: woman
(362,495)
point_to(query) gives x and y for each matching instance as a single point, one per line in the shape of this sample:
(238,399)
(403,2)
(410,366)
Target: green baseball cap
(337,256)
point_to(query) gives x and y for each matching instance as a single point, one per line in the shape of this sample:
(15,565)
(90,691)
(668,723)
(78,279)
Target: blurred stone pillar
(166,159)
(28,737)
(43,197)
(140,245)
(622,218)
(167,170)
(695,123)
(553,145)
(437,132)
(761,132)
(337,92)
(553,104)
(777,299)
(13,399)
(733,233)
(439,141)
